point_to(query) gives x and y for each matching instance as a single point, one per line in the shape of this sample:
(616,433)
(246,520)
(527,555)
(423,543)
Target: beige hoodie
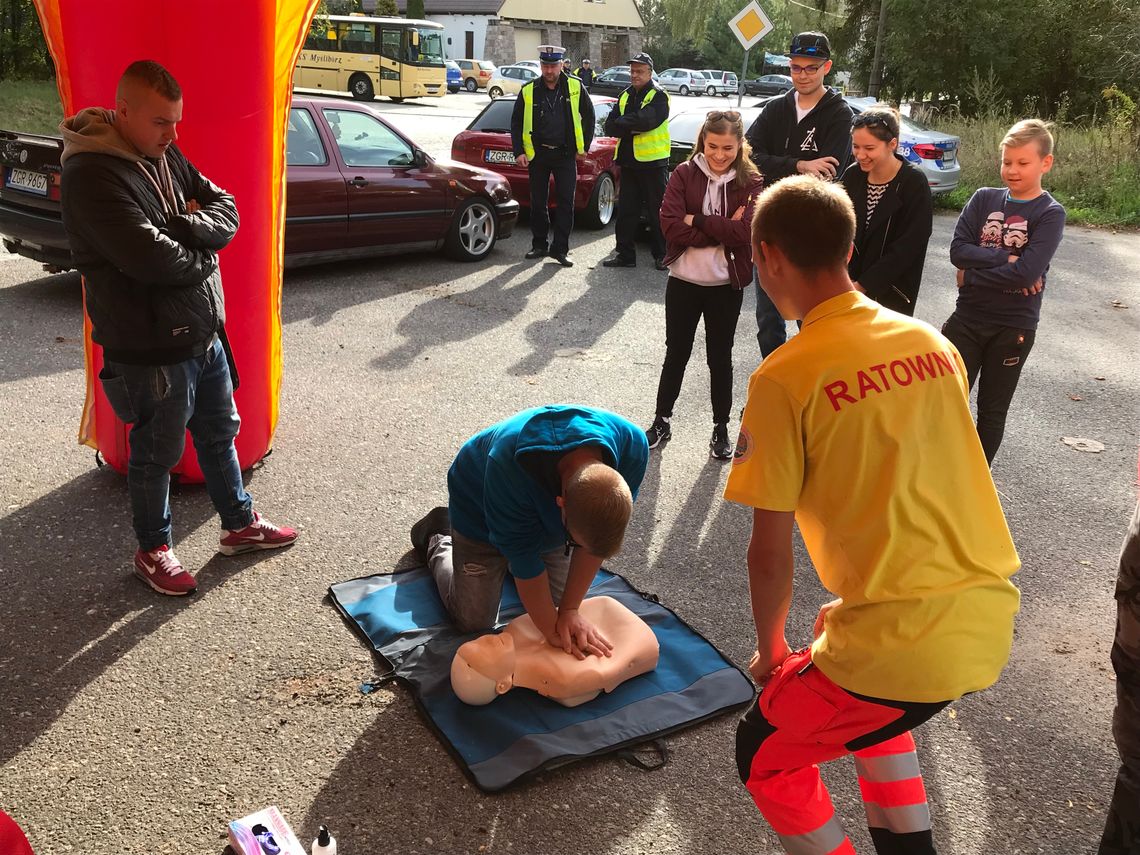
(93,131)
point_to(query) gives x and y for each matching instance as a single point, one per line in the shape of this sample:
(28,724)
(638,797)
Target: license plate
(499,156)
(31,182)
(949,155)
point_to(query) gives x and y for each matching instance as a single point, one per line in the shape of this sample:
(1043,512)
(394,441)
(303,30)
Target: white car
(720,82)
(683,81)
(509,80)
(530,63)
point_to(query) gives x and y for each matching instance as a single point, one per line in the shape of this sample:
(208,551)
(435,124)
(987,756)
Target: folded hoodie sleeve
(100,208)
(727,231)
(212,227)
(673,210)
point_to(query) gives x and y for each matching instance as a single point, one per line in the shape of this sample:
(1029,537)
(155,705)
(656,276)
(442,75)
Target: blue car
(454,77)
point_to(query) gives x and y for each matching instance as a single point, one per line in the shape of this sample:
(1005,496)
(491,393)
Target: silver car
(719,82)
(683,81)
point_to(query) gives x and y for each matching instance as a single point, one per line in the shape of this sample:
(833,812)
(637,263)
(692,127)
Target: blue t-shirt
(992,227)
(495,489)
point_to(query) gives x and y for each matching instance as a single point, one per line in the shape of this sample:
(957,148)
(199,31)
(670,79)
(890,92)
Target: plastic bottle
(325,844)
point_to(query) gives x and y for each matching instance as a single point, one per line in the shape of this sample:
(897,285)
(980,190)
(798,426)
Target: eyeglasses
(717,115)
(811,45)
(806,69)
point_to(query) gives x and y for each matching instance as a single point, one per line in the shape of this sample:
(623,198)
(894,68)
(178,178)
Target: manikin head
(148,107)
(802,236)
(484,668)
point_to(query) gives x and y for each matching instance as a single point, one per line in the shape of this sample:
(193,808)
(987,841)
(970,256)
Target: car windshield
(684,127)
(431,47)
(488,66)
(496,118)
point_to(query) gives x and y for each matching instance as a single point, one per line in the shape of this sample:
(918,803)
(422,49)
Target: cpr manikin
(492,664)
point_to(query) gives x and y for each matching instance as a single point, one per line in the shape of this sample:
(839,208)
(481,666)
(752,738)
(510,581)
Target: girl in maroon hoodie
(706,217)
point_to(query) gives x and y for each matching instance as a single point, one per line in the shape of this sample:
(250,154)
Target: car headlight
(501,191)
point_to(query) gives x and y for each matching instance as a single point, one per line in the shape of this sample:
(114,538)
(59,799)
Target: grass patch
(30,105)
(1096,173)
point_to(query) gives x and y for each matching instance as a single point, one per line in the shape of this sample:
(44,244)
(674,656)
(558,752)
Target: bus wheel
(361,88)
(396,100)
(473,230)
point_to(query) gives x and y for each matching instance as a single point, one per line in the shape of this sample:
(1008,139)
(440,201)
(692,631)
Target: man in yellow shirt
(859,430)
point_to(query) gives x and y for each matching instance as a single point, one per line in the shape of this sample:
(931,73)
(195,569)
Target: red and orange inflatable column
(234,61)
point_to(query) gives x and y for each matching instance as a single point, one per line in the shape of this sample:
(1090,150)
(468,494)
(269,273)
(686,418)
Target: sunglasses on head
(717,115)
(864,121)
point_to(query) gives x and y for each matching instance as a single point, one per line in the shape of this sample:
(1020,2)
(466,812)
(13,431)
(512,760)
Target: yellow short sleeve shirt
(861,425)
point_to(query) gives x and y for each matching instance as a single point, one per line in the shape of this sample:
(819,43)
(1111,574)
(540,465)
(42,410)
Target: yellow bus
(395,57)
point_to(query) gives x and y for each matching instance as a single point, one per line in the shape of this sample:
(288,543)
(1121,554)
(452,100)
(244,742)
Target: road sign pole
(740,83)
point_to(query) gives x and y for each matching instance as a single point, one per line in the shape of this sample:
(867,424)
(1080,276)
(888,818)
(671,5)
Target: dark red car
(487,143)
(355,187)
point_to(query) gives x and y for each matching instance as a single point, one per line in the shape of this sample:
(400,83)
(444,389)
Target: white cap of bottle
(325,844)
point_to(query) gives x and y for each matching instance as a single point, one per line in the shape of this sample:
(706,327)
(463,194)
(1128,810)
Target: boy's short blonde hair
(1028,131)
(598,507)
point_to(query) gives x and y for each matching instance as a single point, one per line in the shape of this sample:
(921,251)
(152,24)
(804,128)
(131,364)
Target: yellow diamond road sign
(750,25)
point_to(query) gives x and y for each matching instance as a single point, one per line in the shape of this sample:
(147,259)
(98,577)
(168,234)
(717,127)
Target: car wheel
(361,88)
(684,90)
(600,209)
(495,92)
(473,230)
(470,85)
(711,90)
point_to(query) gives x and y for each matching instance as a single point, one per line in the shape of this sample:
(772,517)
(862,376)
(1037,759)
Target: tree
(23,51)
(415,9)
(386,9)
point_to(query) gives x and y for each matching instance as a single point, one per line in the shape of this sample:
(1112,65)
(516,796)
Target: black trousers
(640,188)
(561,164)
(997,353)
(685,304)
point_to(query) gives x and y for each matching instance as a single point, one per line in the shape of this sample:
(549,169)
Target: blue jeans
(160,402)
(770,329)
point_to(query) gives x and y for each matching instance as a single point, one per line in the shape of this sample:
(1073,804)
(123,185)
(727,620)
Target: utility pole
(877,62)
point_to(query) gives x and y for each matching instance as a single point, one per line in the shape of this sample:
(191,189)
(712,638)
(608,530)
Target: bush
(1096,170)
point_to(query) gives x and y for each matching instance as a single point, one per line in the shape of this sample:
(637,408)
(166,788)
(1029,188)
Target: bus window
(430,48)
(357,38)
(390,44)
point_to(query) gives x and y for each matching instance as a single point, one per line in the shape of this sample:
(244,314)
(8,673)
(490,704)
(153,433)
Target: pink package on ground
(264,833)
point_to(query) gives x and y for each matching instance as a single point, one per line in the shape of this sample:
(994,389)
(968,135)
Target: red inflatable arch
(234,61)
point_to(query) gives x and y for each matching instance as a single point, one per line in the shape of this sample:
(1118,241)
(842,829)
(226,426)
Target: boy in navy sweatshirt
(1002,246)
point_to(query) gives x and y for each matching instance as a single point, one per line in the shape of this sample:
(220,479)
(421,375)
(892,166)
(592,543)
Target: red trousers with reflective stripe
(803,719)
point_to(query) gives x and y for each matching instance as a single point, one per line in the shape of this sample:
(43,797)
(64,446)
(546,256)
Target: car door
(391,199)
(316,201)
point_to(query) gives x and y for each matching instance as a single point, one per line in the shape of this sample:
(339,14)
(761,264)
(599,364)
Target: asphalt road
(131,723)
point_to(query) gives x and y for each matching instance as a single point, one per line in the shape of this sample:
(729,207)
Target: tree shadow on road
(458,316)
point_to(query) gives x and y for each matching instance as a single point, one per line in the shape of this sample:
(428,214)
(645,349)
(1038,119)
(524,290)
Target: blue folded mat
(522,733)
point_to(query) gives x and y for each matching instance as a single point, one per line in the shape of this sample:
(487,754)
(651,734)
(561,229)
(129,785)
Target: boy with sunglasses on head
(808,132)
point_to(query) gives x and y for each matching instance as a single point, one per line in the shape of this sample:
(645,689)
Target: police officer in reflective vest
(641,124)
(552,123)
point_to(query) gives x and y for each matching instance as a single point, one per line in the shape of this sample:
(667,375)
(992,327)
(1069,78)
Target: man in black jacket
(552,123)
(586,74)
(808,131)
(145,228)
(640,121)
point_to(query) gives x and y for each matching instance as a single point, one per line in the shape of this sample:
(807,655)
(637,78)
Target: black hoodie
(779,142)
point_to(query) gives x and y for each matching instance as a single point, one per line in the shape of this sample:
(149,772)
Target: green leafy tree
(386,9)
(23,51)
(415,9)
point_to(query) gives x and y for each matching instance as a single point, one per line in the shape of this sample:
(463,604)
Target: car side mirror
(419,158)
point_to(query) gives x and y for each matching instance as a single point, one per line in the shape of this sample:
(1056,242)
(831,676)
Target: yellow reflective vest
(648,146)
(575,86)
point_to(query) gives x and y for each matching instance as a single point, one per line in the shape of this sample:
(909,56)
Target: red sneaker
(259,534)
(163,572)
